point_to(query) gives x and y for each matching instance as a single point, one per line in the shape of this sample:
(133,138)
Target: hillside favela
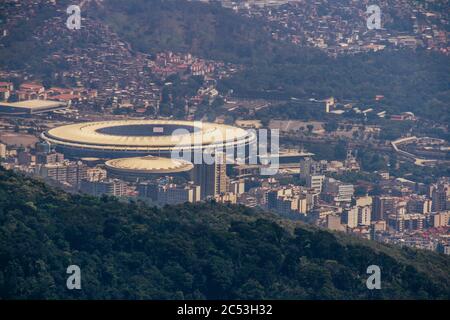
(224,150)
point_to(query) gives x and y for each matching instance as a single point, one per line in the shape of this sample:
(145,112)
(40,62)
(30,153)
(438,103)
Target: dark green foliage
(293,110)
(419,174)
(130,251)
(207,30)
(409,81)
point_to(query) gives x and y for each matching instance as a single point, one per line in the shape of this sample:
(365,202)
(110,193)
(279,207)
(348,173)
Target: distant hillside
(409,80)
(414,81)
(207,30)
(131,251)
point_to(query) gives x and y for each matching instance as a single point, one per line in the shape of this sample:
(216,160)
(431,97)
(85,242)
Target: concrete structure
(148,190)
(287,205)
(364,201)
(334,223)
(237,187)
(49,158)
(176,194)
(350,217)
(440,219)
(308,167)
(65,172)
(228,197)
(439,197)
(169,193)
(96,174)
(315,182)
(289,158)
(341,192)
(43,147)
(364,215)
(409,156)
(211,178)
(376,227)
(419,204)
(382,207)
(30,107)
(111,187)
(410,222)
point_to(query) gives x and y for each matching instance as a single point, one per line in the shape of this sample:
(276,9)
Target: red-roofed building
(31,95)
(403,116)
(31,91)
(6,85)
(58,91)
(34,87)
(65,98)
(141,110)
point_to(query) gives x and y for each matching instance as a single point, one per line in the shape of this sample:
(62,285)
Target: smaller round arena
(148,167)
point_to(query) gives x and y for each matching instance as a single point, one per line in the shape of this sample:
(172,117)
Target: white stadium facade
(134,138)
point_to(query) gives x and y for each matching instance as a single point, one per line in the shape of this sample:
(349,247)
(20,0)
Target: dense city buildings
(108,187)
(339,27)
(178,194)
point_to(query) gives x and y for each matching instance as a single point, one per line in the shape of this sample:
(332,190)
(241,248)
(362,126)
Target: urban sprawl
(112,82)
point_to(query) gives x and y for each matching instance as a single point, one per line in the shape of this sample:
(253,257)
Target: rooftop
(32,104)
(149,164)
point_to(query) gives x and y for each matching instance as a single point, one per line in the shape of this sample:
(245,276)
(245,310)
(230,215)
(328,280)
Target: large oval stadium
(129,138)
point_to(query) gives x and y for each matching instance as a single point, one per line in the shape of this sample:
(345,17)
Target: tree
(331,126)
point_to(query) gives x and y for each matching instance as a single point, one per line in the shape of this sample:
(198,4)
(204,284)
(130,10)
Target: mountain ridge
(194,251)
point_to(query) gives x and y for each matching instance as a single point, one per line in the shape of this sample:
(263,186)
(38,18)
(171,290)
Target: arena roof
(146,135)
(149,165)
(31,106)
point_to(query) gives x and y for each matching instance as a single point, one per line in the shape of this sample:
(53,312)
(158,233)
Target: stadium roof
(149,164)
(146,135)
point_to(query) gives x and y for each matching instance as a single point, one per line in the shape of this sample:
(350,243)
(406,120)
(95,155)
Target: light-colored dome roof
(149,165)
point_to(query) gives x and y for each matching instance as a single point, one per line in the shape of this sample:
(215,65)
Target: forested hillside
(206,30)
(408,80)
(131,251)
